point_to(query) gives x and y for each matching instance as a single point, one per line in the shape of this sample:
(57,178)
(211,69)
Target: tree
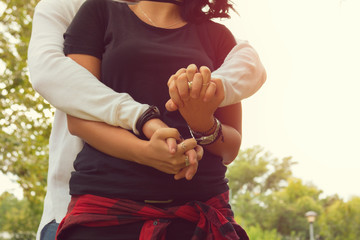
(265,194)
(24,116)
(252,177)
(286,208)
(341,220)
(14,217)
(256,172)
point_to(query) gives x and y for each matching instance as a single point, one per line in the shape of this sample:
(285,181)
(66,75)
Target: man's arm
(242,73)
(64,83)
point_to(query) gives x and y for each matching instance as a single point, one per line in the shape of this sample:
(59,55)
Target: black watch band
(151,113)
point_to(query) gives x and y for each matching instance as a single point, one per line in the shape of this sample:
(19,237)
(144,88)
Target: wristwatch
(151,113)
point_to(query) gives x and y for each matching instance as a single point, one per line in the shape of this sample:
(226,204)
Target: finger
(206,76)
(171,106)
(186,145)
(182,87)
(174,95)
(171,142)
(199,152)
(180,174)
(165,133)
(191,170)
(196,86)
(180,71)
(174,76)
(190,71)
(210,92)
(171,79)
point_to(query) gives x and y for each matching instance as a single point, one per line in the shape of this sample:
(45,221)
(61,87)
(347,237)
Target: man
(74,91)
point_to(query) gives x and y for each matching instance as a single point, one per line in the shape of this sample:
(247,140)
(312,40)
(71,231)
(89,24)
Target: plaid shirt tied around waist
(214,218)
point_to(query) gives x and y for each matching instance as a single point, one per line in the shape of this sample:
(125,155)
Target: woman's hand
(194,155)
(198,107)
(190,171)
(196,95)
(183,162)
(179,87)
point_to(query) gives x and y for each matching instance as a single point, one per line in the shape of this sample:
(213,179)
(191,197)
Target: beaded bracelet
(211,130)
(208,139)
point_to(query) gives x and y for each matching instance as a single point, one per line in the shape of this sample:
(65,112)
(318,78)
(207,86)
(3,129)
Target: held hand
(190,171)
(175,100)
(199,114)
(159,156)
(179,83)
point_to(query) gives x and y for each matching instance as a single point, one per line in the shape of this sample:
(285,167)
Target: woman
(135,49)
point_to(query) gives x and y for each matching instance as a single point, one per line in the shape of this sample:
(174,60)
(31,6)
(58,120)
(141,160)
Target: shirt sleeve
(64,83)
(242,73)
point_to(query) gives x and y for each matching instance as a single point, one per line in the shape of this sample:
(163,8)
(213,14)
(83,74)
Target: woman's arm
(199,114)
(121,143)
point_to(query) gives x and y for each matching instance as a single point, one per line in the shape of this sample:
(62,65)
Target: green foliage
(341,220)
(288,206)
(271,204)
(265,195)
(14,217)
(256,172)
(257,233)
(254,176)
(24,116)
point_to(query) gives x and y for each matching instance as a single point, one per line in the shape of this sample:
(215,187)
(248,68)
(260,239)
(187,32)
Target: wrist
(202,125)
(151,113)
(151,126)
(210,136)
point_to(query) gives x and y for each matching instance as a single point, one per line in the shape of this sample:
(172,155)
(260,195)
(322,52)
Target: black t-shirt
(139,59)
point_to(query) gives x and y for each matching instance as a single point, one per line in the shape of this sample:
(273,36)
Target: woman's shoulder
(215,29)
(213,25)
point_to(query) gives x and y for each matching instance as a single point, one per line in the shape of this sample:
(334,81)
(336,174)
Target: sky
(309,106)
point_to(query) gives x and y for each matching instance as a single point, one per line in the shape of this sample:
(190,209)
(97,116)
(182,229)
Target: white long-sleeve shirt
(71,89)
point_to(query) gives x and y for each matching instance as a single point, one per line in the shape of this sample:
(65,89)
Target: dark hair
(202,10)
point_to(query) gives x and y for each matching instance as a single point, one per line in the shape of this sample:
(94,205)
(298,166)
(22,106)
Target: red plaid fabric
(214,218)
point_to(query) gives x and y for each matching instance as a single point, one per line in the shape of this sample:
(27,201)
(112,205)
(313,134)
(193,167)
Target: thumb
(171,106)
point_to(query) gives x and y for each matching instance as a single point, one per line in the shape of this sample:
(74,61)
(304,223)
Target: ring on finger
(187,161)
(206,84)
(190,85)
(183,146)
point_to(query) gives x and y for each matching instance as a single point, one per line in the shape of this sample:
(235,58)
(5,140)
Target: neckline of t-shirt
(151,26)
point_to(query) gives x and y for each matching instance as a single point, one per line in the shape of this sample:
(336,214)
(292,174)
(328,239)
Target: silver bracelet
(209,139)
